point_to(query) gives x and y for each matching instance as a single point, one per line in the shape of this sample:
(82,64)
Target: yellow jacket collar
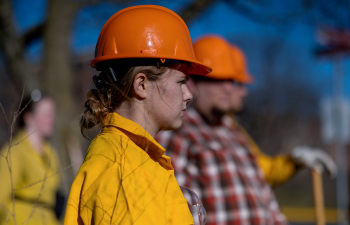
(22,138)
(139,136)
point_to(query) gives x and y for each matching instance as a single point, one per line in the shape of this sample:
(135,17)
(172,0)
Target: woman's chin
(174,126)
(178,125)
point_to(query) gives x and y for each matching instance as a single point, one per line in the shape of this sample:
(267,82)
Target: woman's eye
(183,81)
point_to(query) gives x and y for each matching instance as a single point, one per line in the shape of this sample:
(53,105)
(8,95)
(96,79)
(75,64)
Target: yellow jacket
(278,169)
(126,179)
(34,177)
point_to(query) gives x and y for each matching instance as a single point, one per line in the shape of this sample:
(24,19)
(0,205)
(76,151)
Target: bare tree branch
(8,211)
(20,112)
(309,11)
(38,31)
(20,103)
(41,190)
(12,49)
(43,180)
(4,114)
(263,18)
(24,138)
(33,34)
(196,8)
(8,154)
(84,3)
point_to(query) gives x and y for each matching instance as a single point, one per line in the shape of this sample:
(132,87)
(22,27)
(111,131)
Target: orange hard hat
(215,52)
(227,61)
(242,74)
(147,31)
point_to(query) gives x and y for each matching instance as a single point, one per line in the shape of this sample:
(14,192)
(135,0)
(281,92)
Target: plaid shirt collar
(195,119)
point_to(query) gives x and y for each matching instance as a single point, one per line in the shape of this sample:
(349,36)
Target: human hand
(314,158)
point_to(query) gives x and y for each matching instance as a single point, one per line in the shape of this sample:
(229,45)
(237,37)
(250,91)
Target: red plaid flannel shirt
(214,161)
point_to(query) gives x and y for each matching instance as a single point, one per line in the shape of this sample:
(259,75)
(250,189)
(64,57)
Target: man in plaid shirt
(211,157)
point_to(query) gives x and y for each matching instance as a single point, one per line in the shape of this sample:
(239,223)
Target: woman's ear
(140,85)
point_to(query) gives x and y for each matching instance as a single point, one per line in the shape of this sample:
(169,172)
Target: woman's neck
(35,139)
(136,112)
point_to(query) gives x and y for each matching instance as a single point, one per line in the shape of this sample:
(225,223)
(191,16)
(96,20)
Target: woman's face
(42,118)
(169,98)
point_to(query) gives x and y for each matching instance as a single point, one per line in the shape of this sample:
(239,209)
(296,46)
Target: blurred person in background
(278,169)
(211,157)
(34,166)
(144,54)
(215,156)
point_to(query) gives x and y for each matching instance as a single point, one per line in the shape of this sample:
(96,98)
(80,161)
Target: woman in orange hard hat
(144,54)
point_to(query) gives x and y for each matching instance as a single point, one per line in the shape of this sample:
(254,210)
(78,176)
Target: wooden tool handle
(318,197)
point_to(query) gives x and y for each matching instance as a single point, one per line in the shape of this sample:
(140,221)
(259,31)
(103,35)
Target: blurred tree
(12,47)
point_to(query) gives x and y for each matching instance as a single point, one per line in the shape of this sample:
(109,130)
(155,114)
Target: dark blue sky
(296,50)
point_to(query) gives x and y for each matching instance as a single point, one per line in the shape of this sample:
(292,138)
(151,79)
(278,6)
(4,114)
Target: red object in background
(332,41)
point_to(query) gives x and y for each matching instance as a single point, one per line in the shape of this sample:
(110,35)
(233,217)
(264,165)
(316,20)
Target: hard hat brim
(245,78)
(248,79)
(196,67)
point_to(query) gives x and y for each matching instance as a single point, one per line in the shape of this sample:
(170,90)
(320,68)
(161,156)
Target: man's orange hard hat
(226,60)
(242,75)
(147,31)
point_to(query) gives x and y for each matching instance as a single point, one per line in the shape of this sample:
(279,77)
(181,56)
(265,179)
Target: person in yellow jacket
(278,169)
(144,54)
(34,168)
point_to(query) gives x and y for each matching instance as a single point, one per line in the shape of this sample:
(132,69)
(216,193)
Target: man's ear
(140,85)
